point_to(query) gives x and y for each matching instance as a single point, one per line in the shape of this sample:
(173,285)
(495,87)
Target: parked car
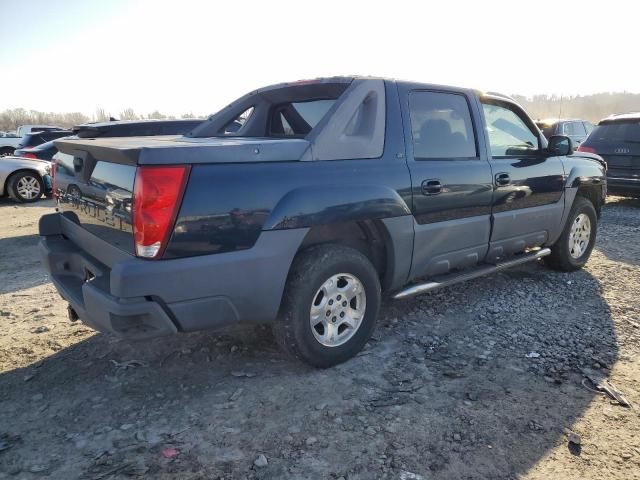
(24,180)
(44,151)
(66,177)
(32,140)
(329,193)
(136,128)
(22,130)
(577,130)
(12,141)
(8,144)
(617,139)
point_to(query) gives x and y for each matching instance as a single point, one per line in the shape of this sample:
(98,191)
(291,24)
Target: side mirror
(560,145)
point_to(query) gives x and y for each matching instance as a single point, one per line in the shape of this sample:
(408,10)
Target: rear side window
(617,132)
(297,118)
(237,123)
(441,126)
(574,128)
(509,134)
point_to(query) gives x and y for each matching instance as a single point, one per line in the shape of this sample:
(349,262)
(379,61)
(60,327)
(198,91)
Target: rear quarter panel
(225,207)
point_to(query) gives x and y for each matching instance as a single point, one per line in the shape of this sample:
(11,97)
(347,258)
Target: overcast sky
(197,56)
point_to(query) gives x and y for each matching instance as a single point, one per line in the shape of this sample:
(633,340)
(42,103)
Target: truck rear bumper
(129,297)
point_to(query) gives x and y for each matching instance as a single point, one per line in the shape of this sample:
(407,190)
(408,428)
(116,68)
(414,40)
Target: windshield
(617,132)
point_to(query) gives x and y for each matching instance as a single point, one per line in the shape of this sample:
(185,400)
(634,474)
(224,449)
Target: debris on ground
(170,452)
(261,461)
(128,364)
(602,384)
(573,437)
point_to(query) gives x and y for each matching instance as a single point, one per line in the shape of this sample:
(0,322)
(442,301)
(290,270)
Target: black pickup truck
(300,204)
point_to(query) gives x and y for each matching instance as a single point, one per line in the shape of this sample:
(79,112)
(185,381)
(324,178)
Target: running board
(478,272)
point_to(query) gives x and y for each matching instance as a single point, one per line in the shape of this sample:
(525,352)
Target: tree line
(11,119)
(589,107)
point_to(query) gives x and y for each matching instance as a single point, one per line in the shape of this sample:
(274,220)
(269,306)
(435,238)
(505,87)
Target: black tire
(6,151)
(13,186)
(74,191)
(561,257)
(309,272)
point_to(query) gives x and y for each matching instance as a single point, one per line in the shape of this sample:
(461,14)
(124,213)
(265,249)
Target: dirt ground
(483,380)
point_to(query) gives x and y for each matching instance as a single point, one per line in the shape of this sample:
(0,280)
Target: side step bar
(479,272)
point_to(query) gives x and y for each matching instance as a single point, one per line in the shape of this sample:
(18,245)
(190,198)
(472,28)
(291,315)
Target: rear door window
(441,126)
(575,129)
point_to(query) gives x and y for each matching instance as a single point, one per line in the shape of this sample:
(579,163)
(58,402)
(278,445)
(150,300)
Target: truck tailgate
(94,178)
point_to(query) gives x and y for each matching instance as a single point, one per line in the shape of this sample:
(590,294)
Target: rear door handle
(502,179)
(431,187)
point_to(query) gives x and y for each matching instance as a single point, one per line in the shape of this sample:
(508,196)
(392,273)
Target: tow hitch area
(71,313)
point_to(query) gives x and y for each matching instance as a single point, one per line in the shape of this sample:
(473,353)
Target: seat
(436,139)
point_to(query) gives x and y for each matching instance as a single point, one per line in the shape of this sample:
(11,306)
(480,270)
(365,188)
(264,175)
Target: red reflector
(157,194)
(582,148)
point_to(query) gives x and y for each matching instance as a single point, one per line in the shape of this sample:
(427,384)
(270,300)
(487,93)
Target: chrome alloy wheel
(337,310)
(28,187)
(579,235)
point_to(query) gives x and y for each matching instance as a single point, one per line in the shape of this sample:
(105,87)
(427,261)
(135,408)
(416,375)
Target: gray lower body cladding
(136,298)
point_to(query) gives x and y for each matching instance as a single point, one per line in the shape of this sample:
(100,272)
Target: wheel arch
(366,236)
(7,180)
(593,193)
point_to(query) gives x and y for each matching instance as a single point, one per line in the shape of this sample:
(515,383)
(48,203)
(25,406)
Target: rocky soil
(484,380)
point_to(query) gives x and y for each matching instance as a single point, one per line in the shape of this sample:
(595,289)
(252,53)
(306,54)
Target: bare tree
(101,115)
(129,114)
(156,115)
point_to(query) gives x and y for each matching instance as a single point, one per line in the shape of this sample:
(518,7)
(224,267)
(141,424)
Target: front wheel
(572,250)
(25,187)
(330,305)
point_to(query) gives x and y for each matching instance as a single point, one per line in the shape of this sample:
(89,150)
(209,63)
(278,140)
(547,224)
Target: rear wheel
(25,187)
(6,151)
(572,250)
(330,305)
(74,191)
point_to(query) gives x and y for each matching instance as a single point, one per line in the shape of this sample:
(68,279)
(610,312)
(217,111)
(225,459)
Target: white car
(24,179)
(24,129)
(8,144)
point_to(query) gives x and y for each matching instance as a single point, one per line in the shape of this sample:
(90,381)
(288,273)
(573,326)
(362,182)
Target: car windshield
(617,132)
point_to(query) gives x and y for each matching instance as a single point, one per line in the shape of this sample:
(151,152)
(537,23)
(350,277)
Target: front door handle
(431,187)
(502,179)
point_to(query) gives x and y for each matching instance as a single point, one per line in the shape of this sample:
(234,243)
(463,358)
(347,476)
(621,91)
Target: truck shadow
(473,382)
(21,254)
(618,229)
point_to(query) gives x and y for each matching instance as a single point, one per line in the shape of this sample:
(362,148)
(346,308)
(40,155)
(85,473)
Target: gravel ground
(483,380)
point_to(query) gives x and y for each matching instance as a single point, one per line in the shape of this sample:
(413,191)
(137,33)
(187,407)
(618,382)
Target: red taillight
(582,148)
(157,194)
(28,155)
